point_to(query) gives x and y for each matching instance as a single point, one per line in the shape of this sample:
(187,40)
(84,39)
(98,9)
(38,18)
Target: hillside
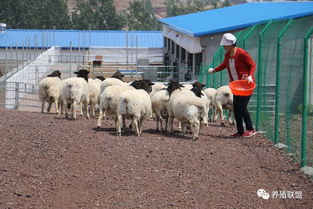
(158,5)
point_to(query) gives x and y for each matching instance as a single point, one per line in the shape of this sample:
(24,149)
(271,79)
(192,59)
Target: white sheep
(187,86)
(50,91)
(159,107)
(210,94)
(94,94)
(110,82)
(109,101)
(223,100)
(186,107)
(75,91)
(188,110)
(136,104)
(158,86)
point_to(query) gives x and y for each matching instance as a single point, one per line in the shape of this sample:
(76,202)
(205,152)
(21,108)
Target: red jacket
(244,64)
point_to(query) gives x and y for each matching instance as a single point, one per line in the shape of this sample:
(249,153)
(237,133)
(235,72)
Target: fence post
(305,98)
(259,74)
(277,96)
(247,35)
(16,95)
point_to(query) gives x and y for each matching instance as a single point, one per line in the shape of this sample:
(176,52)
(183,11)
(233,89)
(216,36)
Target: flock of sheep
(137,100)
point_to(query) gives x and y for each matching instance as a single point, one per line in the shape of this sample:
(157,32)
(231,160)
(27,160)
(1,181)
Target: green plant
(309,109)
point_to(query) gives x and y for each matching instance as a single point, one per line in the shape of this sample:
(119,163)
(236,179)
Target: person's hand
(211,70)
(249,78)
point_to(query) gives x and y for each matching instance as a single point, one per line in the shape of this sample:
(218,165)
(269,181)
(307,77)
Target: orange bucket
(242,87)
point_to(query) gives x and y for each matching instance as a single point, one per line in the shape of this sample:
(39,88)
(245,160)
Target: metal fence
(19,87)
(282,104)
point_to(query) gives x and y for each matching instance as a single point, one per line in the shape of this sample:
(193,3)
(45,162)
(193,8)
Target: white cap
(228,39)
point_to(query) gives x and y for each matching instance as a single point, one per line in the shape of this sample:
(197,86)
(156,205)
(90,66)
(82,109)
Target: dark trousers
(241,113)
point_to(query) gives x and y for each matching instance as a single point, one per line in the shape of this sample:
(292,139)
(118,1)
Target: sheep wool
(49,91)
(109,101)
(224,100)
(110,82)
(137,104)
(75,91)
(94,94)
(159,107)
(187,109)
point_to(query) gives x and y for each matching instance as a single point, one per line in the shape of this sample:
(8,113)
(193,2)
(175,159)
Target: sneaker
(236,135)
(249,133)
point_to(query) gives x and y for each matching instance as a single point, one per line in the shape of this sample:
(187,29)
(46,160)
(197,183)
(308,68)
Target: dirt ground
(47,161)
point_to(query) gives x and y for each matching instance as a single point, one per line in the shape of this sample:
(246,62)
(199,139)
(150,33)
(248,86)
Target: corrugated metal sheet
(236,17)
(80,39)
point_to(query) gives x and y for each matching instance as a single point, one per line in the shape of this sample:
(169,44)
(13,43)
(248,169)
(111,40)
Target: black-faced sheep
(75,91)
(50,91)
(135,104)
(186,108)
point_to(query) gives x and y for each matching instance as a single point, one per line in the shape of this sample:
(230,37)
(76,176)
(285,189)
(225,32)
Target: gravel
(47,161)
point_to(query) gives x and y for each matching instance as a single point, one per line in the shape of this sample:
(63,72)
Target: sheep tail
(126,104)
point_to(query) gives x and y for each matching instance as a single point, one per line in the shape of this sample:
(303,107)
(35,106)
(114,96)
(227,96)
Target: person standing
(240,66)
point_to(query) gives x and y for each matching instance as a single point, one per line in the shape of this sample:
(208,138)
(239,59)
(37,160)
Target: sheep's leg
(42,105)
(56,102)
(61,106)
(219,109)
(158,121)
(74,110)
(141,124)
(100,118)
(49,106)
(124,121)
(189,128)
(161,124)
(170,125)
(195,126)
(116,121)
(93,107)
(66,109)
(179,126)
(104,115)
(135,125)
(118,125)
(81,110)
(86,109)
(231,117)
(166,123)
(215,114)
(184,127)
(211,114)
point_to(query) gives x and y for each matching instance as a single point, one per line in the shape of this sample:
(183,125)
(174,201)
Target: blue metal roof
(79,38)
(236,17)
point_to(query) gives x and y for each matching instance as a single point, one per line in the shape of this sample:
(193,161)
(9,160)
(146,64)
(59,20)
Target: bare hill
(158,6)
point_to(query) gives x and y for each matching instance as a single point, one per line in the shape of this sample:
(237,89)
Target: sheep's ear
(203,85)
(122,75)
(181,85)
(76,72)
(201,94)
(88,72)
